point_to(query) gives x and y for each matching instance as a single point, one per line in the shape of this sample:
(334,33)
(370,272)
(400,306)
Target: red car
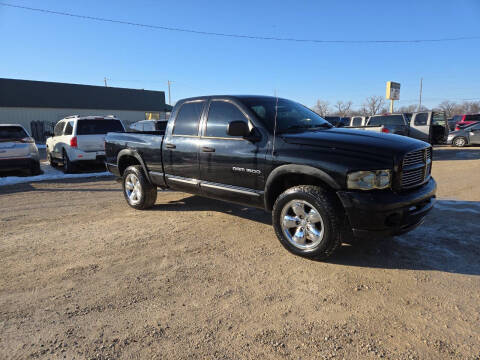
(465,120)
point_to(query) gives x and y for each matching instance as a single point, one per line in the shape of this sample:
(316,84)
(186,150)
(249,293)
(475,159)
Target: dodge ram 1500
(322,184)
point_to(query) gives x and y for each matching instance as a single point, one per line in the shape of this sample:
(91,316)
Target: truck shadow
(448,241)
(198,203)
(442,153)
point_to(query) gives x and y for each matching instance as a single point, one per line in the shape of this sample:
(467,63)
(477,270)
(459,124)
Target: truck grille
(416,168)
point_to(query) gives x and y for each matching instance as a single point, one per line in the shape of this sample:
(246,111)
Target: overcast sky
(39,46)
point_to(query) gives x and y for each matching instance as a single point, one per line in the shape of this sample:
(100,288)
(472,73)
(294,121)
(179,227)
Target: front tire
(459,141)
(138,191)
(308,222)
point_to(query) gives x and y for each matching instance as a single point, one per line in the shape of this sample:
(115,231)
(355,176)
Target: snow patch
(49,173)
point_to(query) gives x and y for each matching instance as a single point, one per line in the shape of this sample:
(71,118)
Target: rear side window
(68,129)
(475,117)
(187,119)
(420,119)
(59,129)
(12,132)
(220,114)
(387,120)
(98,127)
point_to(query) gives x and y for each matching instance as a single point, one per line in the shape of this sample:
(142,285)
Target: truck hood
(358,141)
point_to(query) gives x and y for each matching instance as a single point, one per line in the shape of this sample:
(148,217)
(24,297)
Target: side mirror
(238,128)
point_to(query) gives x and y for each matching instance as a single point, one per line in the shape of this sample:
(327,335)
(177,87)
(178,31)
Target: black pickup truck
(322,184)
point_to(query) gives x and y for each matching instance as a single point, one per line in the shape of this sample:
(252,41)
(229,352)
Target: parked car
(80,139)
(322,184)
(466,120)
(18,150)
(149,125)
(338,121)
(469,135)
(429,126)
(452,123)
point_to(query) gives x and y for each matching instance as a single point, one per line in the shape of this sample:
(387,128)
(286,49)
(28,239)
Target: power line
(241,36)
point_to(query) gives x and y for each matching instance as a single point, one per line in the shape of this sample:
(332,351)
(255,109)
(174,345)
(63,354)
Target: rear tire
(139,193)
(459,141)
(50,160)
(68,166)
(308,222)
(35,169)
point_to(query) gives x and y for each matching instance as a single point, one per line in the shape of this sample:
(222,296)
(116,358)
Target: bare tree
(472,107)
(343,108)
(322,107)
(449,107)
(373,104)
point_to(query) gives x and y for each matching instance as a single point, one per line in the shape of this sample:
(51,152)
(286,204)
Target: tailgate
(91,142)
(13,149)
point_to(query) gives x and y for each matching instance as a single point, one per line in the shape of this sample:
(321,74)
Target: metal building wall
(23,116)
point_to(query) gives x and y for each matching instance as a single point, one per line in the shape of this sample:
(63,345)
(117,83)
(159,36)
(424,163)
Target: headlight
(368,180)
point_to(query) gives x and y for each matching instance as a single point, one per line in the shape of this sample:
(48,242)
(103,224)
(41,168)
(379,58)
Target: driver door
(229,166)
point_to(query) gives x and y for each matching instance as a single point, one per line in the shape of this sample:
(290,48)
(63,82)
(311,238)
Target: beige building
(24,101)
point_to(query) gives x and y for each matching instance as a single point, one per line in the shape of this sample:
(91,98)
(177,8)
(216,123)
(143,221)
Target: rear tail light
(73,142)
(385,130)
(457,128)
(27,140)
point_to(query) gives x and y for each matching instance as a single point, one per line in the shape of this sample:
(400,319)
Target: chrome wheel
(459,142)
(133,189)
(302,224)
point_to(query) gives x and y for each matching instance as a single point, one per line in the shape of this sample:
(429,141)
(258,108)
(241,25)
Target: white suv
(76,139)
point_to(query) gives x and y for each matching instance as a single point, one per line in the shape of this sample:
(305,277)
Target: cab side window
(186,122)
(420,119)
(58,130)
(357,121)
(68,129)
(220,114)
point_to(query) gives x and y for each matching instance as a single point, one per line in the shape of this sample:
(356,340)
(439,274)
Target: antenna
(275,123)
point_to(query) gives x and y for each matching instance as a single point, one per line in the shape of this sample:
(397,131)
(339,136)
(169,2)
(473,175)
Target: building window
(152,116)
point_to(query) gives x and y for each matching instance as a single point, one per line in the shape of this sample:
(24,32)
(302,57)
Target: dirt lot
(86,277)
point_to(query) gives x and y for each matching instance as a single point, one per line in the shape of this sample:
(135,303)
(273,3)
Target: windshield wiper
(306,127)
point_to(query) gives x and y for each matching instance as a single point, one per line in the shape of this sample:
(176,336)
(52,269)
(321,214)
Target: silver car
(18,150)
(469,135)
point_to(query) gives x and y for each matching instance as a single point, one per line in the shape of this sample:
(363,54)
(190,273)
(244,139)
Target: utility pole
(105,81)
(420,98)
(169,96)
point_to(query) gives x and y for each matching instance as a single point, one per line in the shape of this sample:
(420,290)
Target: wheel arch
(286,176)
(129,157)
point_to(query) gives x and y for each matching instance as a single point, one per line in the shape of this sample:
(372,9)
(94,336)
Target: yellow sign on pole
(393,90)
(393,93)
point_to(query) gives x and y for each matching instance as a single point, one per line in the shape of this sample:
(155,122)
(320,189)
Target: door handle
(208,149)
(170,146)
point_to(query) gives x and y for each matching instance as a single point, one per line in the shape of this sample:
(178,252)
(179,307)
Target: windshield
(290,116)
(97,127)
(12,132)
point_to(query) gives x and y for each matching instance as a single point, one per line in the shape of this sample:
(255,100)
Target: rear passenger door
(420,125)
(474,134)
(180,147)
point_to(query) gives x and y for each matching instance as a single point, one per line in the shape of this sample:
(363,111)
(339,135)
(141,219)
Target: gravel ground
(86,277)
